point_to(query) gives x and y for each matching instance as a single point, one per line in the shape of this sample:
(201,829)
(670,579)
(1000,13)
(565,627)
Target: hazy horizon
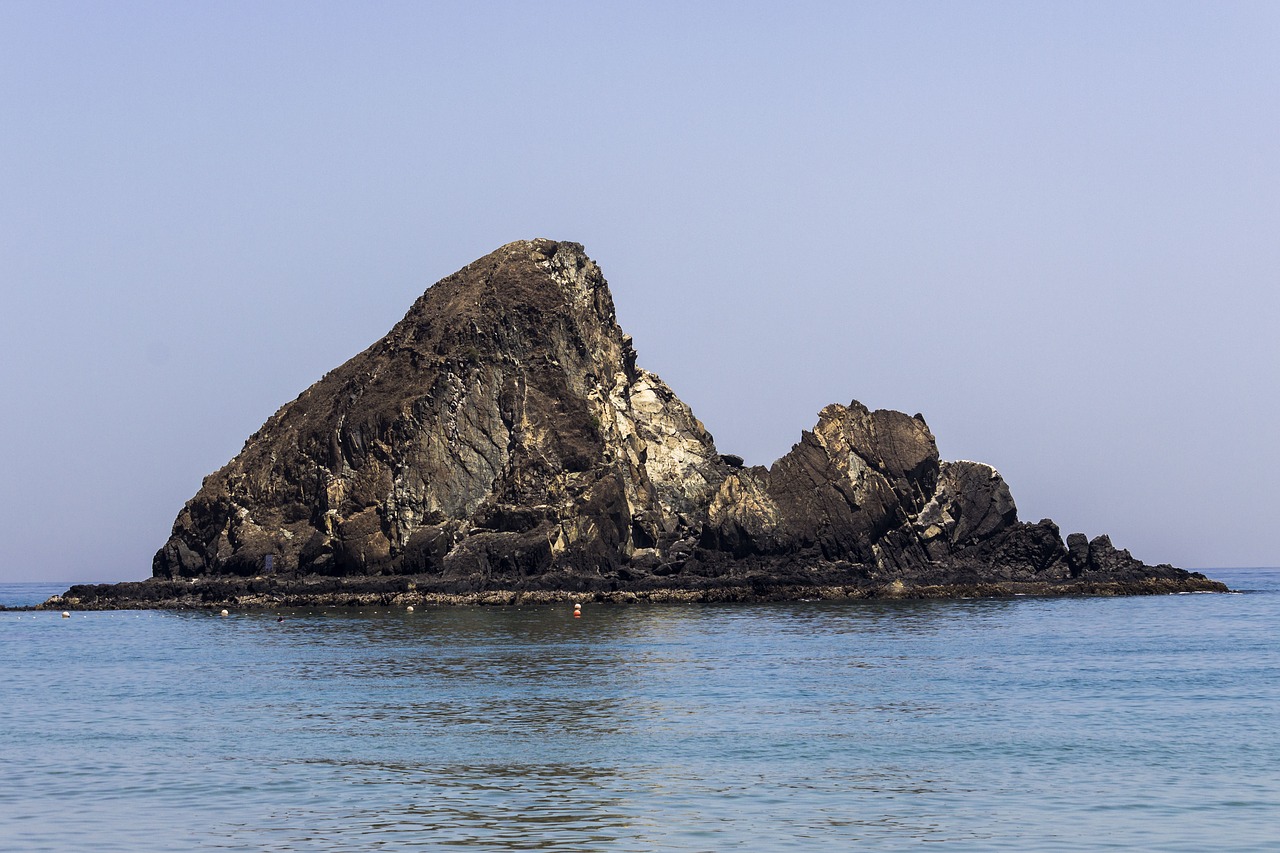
(1049,228)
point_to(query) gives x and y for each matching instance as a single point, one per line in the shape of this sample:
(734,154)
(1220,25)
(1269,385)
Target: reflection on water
(977,725)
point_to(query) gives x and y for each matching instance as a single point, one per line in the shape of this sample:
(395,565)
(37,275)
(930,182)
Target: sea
(1045,724)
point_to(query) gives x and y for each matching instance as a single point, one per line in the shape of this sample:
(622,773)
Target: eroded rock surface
(502,436)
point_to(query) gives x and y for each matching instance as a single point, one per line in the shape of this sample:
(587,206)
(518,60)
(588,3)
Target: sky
(1050,228)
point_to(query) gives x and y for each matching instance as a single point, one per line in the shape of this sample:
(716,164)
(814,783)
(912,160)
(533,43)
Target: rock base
(319,591)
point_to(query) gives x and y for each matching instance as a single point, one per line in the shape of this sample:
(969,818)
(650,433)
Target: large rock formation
(502,437)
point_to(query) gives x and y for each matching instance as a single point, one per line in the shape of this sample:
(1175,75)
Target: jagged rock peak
(502,435)
(502,421)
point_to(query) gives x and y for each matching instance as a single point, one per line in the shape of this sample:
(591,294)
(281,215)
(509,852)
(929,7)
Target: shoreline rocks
(213,594)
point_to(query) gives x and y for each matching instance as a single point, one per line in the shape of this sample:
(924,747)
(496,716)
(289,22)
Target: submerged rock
(502,437)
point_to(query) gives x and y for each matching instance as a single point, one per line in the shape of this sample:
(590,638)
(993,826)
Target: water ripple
(1122,724)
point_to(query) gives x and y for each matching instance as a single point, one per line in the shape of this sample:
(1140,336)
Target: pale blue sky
(1052,228)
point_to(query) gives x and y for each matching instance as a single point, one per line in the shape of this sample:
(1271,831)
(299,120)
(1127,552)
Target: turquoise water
(1025,724)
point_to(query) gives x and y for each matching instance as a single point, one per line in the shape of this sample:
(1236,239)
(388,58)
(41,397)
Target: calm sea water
(1029,724)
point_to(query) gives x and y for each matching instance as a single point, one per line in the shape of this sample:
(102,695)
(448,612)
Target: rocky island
(502,444)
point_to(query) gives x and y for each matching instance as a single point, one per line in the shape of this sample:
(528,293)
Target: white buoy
(409,608)
(66,615)
(224,613)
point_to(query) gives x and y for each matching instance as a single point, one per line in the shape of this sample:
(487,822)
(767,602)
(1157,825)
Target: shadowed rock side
(502,438)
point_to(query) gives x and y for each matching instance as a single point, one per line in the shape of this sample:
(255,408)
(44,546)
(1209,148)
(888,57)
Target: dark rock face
(501,436)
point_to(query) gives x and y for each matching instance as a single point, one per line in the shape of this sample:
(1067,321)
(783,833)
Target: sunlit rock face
(502,435)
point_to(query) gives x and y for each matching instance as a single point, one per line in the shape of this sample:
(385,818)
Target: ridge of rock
(502,436)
